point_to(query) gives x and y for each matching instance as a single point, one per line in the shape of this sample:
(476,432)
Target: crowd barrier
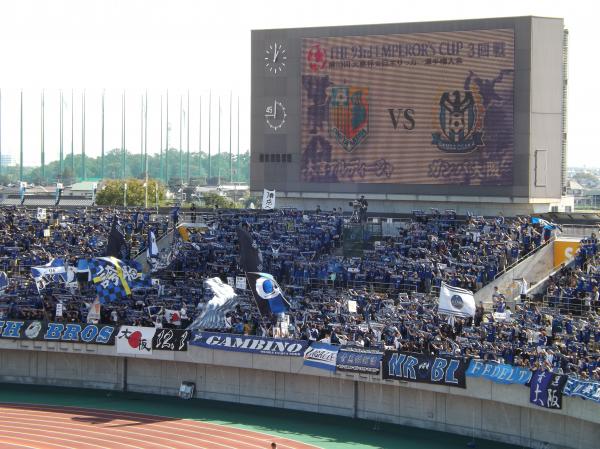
(313,377)
(545,389)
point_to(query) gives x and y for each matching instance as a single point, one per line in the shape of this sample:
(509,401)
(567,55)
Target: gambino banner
(249,343)
(423,368)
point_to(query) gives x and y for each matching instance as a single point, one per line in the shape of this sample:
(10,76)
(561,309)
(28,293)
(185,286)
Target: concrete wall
(494,411)
(534,269)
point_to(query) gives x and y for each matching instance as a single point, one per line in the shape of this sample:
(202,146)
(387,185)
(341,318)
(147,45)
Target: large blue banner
(249,343)
(499,372)
(70,332)
(358,360)
(582,388)
(321,355)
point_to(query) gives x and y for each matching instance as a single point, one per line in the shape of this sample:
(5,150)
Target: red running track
(52,427)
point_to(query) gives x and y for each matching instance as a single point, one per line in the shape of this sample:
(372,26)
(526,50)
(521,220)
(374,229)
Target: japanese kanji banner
(415,108)
(135,340)
(546,389)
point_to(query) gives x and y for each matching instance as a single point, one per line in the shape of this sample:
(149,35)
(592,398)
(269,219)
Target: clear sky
(205,45)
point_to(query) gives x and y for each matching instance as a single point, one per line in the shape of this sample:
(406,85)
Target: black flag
(249,255)
(116,246)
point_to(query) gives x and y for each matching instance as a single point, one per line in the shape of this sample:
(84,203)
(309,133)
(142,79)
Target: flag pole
(238,139)
(141,135)
(160,155)
(60,133)
(123,135)
(146,135)
(188,136)
(73,134)
(180,139)
(219,146)
(102,139)
(146,152)
(43,162)
(83,136)
(230,148)
(200,136)
(209,130)
(21,142)
(167,149)
(0,131)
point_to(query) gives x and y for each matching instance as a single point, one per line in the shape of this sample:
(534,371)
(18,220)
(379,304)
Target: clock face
(275,115)
(275,58)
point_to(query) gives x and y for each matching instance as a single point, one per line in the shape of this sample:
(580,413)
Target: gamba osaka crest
(267,294)
(349,115)
(460,122)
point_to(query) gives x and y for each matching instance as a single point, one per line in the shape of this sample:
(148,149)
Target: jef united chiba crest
(349,115)
(460,123)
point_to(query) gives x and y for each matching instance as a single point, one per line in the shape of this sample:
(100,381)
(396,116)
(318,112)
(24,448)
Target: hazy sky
(201,45)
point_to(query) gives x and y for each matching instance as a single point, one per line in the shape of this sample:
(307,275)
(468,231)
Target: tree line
(221,168)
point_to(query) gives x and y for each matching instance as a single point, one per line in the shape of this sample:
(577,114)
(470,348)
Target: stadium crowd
(387,298)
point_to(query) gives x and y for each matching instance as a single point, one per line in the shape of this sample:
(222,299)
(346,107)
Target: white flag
(173,317)
(268,202)
(94,311)
(456,301)
(152,250)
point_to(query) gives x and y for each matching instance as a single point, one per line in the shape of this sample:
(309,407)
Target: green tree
(112,193)
(212,199)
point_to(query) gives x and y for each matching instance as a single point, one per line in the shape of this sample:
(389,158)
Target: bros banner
(421,108)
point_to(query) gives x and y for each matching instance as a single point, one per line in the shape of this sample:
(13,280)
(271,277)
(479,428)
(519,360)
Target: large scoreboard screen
(416,108)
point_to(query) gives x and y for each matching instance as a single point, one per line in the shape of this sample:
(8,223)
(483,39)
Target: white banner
(240,282)
(41,213)
(135,340)
(456,301)
(268,202)
(59,310)
(351,306)
(231,281)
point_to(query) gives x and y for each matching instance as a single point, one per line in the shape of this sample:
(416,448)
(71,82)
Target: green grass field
(325,431)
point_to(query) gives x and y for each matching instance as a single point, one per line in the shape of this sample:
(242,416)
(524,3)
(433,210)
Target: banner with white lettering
(240,282)
(584,389)
(321,355)
(135,340)
(358,360)
(70,332)
(249,343)
(412,367)
(268,202)
(546,389)
(499,372)
(171,340)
